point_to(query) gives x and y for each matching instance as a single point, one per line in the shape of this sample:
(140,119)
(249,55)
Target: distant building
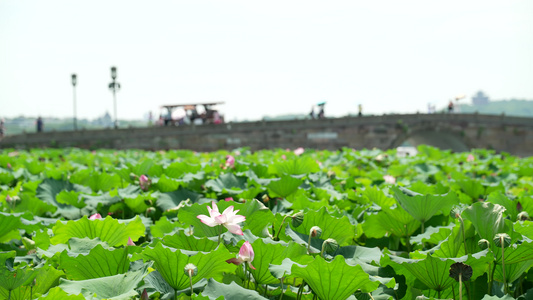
(104,120)
(480,99)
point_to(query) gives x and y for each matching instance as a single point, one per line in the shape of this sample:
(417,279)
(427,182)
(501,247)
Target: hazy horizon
(262,59)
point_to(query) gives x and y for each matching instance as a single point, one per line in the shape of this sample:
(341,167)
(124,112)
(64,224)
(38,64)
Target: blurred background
(264,60)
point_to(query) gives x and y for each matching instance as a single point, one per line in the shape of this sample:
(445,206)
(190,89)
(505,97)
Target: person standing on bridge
(39,124)
(450,107)
(2,129)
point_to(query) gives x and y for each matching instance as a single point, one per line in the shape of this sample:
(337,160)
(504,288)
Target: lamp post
(114,86)
(74,81)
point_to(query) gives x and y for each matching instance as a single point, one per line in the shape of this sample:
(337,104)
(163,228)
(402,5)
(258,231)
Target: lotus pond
(277,224)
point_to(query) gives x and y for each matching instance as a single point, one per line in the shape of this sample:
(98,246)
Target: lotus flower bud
(230,161)
(96,216)
(133,176)
(130,242)
(523,216)
(144,182)
(150,210)
(191,270)
(144,295)
(315,232)
(297,219)
(483,244)
(389,179)
(460,268)
(502,238)
(8,199)
(9,166)
(330,246)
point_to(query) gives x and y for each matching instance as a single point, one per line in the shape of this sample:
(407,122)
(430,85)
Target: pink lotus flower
(9,166)
(130,242)
(470,158)
(246,254)
(389,179)
(228,199)
(230,161)
(228,219)
(144,182)
(8,199)
(284,156)
(96,216)
(299,151)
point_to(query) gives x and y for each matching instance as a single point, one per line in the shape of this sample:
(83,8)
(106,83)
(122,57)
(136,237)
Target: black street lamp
(74,81)
(114,86)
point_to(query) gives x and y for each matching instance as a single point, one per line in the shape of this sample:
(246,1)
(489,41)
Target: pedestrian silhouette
(39,124)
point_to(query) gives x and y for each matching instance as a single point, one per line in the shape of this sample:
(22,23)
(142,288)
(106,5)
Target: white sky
(261,57)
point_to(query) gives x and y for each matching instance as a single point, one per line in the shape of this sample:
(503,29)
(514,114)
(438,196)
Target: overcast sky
(261,57)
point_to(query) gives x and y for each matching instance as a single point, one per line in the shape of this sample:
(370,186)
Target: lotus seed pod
(150,210)
(265,198)
(500,238)
(460,268)
(315,232)
(297,219)
(191,270)
(483,244)
(330,246)
(523,216)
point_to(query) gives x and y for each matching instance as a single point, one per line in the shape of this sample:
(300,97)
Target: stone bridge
(458,132)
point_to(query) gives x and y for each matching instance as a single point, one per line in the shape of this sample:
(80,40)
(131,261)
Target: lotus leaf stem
(219,233)
(464,237)
(281,285)
(460,286)
(276,238)
(503,266)
(190,279)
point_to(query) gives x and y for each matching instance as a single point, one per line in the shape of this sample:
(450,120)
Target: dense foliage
(367,224)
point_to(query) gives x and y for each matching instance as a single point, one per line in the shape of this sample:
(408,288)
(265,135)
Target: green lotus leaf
(178,169)
(339,229)
(46,277)
(58,293)
(284,186)
(453,245)
(472,188)
(267,254)
(99,262)
(12,279)
(9,225)
(298,166)
(180,240)
(432,271)
(227,183)
(498,197)
(171,200)
(120,286)
(170,263)
(334,280)
(487,218)
(377,196)
(48,190)
(217,290)
(394,221)
(162,227)
(108,230)
(423,207)
(97,181)
(166,184)
(147,167)
(70,198)
(433,235)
